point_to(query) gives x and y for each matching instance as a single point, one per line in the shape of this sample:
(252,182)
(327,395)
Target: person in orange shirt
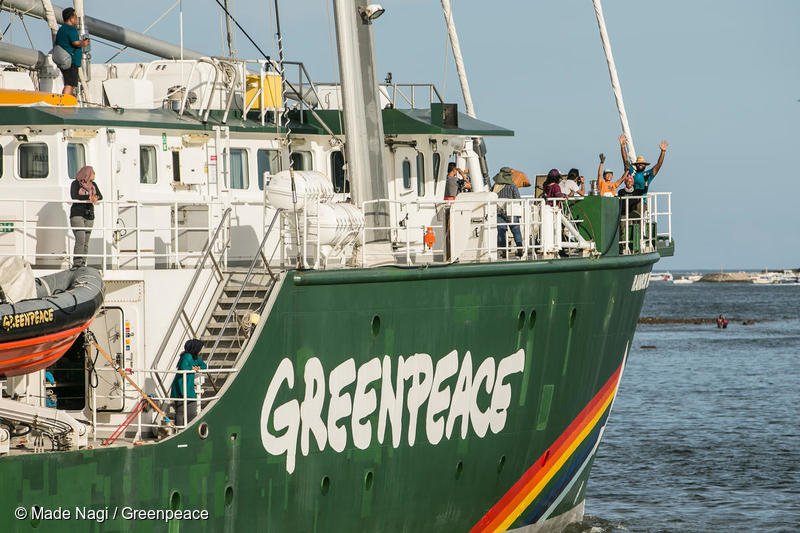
(605,184)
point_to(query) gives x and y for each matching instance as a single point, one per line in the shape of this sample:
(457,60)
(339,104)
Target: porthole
(368,480)
(521,320)
(532,319)
(501,463)
(202,430)
(325,485)
(572,315)
(228,496)
(376,325)
(175,500)
(459,469)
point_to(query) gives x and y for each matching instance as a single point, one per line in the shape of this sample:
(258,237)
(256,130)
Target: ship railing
(125,234)
(147,424)
(644,222)
(426,232)
(414,95)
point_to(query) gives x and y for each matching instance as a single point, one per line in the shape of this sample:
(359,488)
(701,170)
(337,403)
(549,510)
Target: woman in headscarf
(81,215)
(189,360)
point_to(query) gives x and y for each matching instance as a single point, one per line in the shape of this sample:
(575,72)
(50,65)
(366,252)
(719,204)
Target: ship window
(148,164)
(406,173)
(437,165)
(420,174)
(34,161)
(338,175)
(301,161)
(240,178)
(76,158)
(176,165)
(268,161)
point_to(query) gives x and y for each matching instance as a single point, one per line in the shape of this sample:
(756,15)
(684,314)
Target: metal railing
(144,420)
(234,308)
(398,93)
(128,232)
(191,290)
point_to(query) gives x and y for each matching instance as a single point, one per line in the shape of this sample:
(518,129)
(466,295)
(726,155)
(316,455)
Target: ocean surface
(705,433)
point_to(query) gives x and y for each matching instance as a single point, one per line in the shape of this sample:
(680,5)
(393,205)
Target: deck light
(370,12)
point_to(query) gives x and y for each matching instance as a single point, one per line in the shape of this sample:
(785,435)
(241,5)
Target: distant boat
(660,276)
(684,280)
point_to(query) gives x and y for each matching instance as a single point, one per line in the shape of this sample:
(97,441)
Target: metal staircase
(231,321)
(227,309)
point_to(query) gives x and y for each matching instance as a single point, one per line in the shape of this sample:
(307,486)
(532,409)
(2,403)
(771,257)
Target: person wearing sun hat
(642,176)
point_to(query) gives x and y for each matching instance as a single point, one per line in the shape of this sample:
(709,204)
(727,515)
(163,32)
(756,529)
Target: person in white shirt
(571,186)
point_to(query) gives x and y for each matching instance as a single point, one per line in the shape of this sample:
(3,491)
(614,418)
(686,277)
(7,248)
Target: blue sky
(719,80)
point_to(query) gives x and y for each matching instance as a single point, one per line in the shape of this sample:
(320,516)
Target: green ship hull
(532,350)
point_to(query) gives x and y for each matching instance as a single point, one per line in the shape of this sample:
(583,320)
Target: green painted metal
(396,121)
(574,319)
(601,219)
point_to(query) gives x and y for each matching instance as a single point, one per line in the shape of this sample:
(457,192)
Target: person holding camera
(457,181)
(71,42)
(573,185)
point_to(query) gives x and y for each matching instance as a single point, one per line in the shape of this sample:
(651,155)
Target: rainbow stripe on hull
(541,487)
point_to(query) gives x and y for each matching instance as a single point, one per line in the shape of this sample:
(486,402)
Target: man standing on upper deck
(70,40)
(642,176)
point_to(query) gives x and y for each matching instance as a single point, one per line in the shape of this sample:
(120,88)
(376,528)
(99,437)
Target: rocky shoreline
(696,320)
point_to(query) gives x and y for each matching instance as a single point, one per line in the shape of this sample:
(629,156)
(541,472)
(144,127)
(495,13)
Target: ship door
(106,388)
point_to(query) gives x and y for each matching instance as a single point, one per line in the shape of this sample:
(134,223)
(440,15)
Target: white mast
(87,54)
(50,17)
(462,71)
(612,71)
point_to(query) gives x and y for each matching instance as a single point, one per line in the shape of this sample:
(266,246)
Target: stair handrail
(258,255)
(197,271)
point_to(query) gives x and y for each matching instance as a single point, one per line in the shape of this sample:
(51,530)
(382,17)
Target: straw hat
(640,160)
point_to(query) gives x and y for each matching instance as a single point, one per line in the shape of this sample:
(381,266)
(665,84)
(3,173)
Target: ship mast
(363,123)
(456,46)
(615,86)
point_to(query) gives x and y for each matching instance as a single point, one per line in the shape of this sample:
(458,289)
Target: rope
(126,377)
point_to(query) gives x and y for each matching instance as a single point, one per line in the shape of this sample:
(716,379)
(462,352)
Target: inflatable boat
(36,332)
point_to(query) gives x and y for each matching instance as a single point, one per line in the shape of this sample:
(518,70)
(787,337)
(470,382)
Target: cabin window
(420,174)
(176,165)
(76,158)
(240,178)
(148,164)
(268,161)
(301,160)
(338,175)
(34,161)
(437,165)
(406,173)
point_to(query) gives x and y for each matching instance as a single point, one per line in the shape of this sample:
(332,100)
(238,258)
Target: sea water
(705,432)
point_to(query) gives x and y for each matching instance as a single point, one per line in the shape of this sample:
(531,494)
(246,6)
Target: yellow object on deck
(271,85)
(18,97)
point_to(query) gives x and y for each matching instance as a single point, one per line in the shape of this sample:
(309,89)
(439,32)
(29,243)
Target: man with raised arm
(642,176)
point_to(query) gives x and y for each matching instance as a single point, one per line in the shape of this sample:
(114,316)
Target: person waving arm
(663,145)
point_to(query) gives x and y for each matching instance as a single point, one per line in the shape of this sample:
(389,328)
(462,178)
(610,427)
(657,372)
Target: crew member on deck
(642,176)
(70,40)
(457,181)
(81,214)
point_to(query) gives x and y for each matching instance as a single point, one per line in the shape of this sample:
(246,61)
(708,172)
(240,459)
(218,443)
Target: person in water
(642,176)
(70,40)
(722,322)
(189,360)
(81,214)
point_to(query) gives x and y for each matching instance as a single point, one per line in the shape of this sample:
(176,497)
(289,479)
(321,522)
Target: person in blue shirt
(189,360)
(642,176)
(70,40)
